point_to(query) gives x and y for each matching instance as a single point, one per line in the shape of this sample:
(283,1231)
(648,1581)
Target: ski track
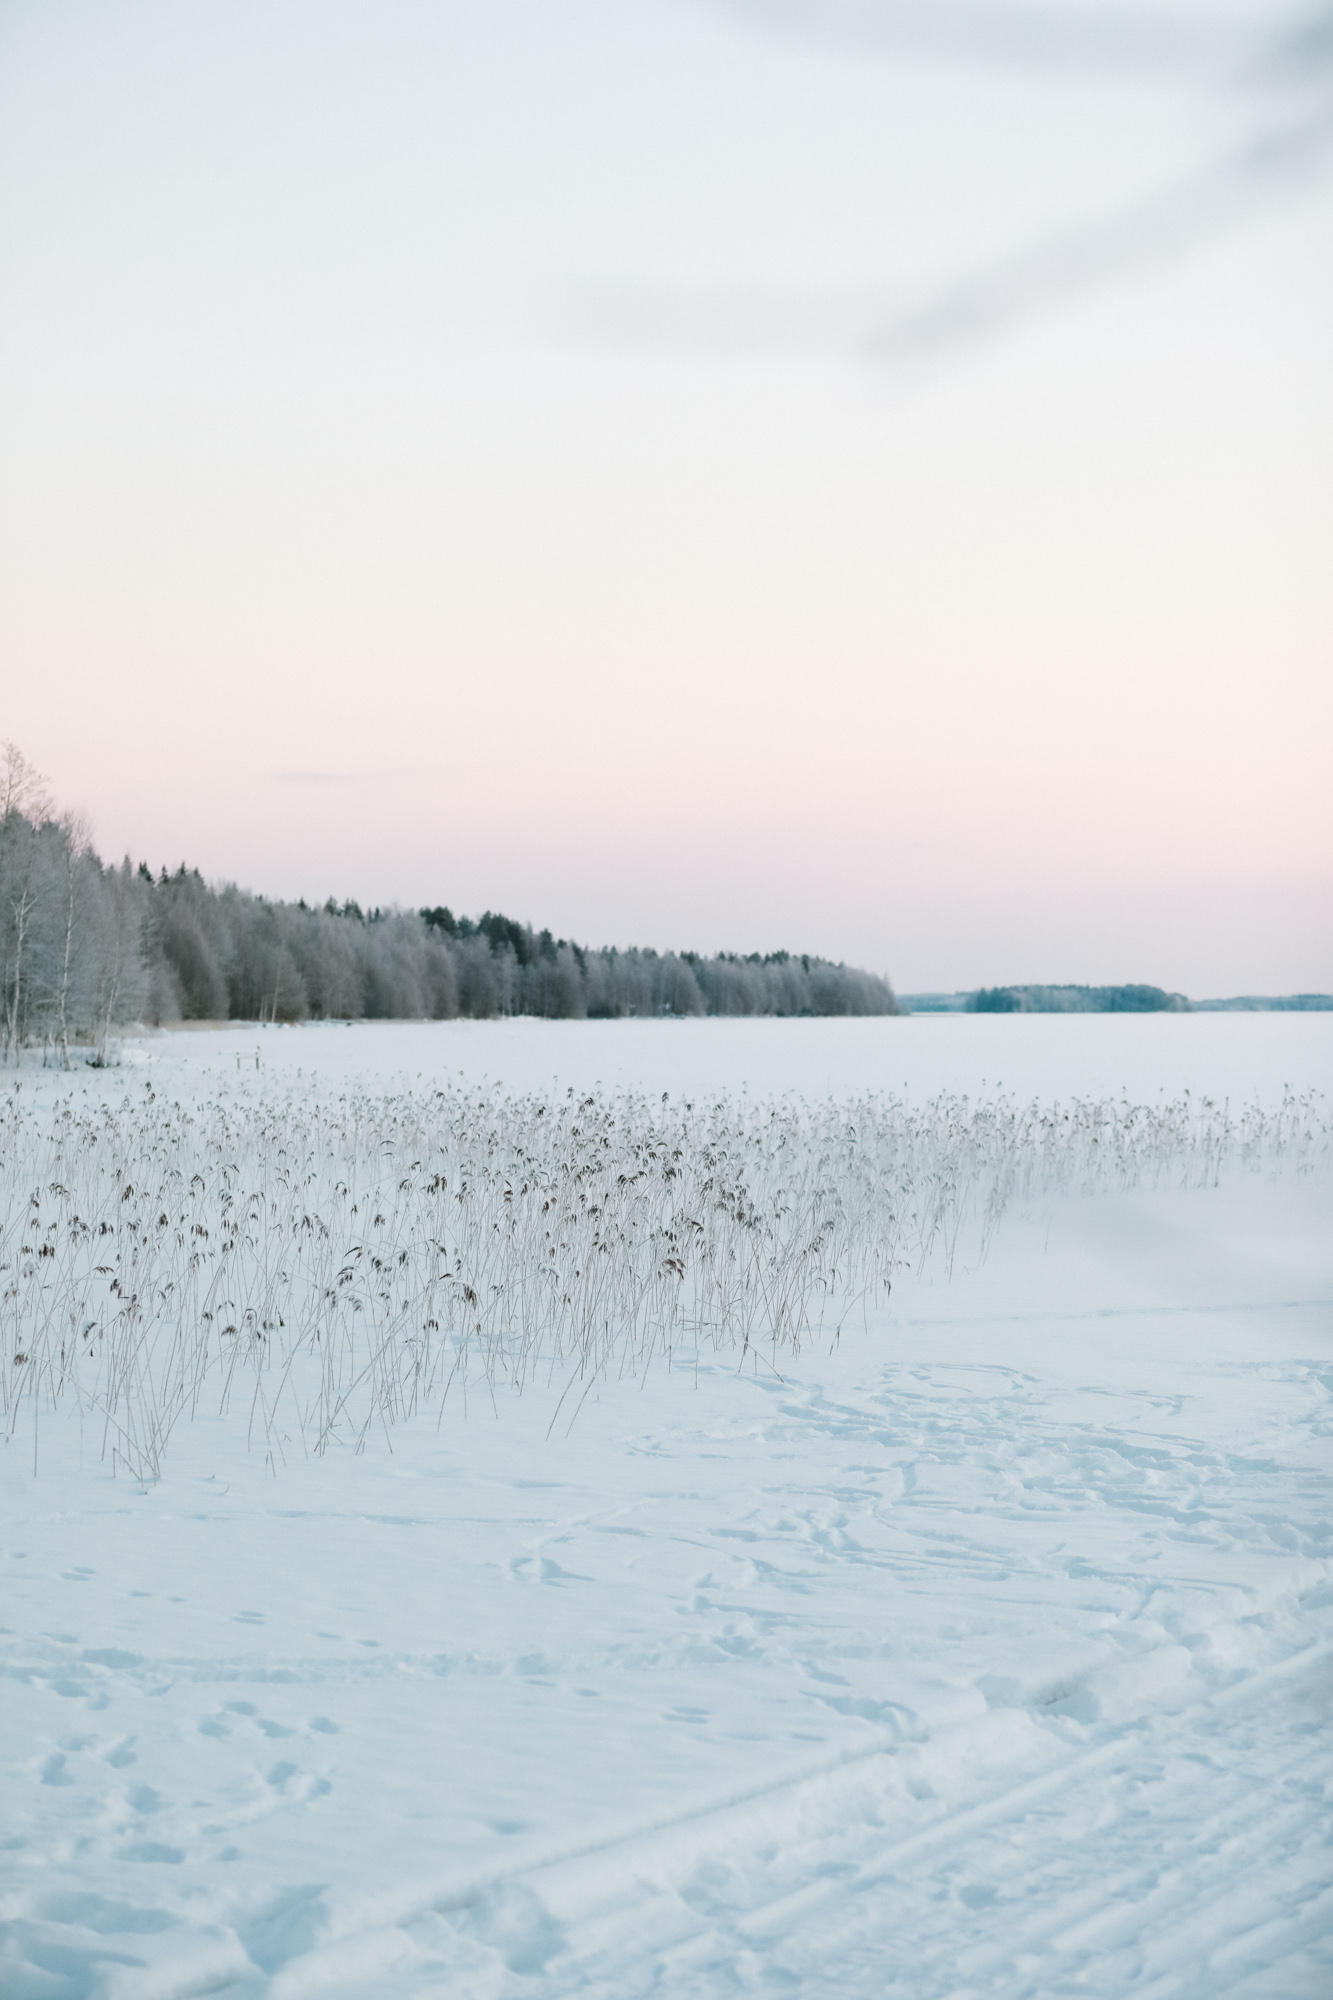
(988,1654)
(1147,1811)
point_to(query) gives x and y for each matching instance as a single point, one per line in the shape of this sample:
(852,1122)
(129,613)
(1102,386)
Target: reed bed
(326,1266)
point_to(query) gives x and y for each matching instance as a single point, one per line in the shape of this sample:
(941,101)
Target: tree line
(1076,1000)
(88,946)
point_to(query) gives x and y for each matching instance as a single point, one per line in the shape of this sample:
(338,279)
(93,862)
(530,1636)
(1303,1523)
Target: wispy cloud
(351,777)
(640,315)
(1058,37)
(1301,52)
(1160,228)
(1292,61)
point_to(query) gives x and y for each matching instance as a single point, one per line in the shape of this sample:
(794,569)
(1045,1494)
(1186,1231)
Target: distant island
(1259,1003)
(1076,1000)
(1103,1000)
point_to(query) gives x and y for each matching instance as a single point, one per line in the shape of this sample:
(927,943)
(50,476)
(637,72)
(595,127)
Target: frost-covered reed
(328,1265)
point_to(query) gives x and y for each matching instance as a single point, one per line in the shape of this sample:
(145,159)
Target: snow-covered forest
(87,945)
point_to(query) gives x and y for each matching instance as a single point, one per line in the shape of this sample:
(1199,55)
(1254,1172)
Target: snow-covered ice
(989,1652)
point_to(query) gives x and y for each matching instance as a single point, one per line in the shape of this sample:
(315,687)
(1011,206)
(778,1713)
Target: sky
(846,475)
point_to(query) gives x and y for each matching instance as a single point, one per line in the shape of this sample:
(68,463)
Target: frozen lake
(1028,1055)
(986,1650)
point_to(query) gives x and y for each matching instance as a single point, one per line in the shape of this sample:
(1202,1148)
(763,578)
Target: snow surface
(1028,1055)
(989,1653)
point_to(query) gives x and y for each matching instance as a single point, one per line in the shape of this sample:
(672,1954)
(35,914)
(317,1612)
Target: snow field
(985,1649)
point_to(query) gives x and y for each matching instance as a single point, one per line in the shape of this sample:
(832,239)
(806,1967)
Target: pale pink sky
(441,460)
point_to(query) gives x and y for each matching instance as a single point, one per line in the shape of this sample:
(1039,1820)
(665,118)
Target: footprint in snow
(710,1888)
(543,1570)
(552,1572)
(821,1674)
(111,1656)
(516,1925)
(885,1714)
(290,1782)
